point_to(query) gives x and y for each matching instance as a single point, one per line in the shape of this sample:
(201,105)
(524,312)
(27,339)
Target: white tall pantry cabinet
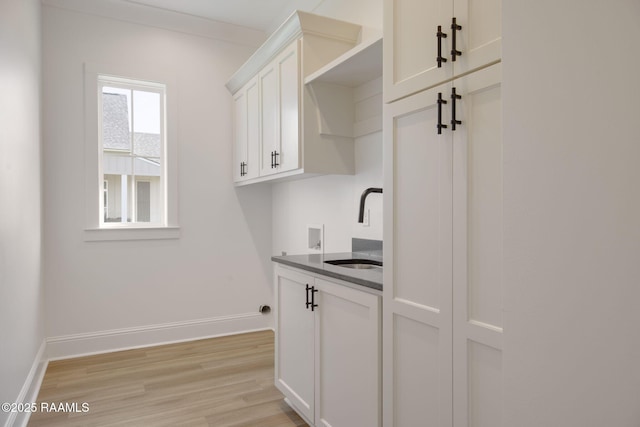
(442,301)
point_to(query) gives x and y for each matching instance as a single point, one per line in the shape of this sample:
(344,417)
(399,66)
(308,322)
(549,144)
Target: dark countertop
(371,278)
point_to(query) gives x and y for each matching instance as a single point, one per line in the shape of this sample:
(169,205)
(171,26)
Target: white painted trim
(294,27)
(76,345)
(92,172)
(96,343)
(131,233)
(128,11)
(31,387)
(278,177)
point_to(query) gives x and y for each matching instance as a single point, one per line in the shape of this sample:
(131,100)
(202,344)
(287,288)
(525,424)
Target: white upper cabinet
(286,155)
(480,38)
(239,134)
(419,38)
(291,141)
(269,116)
(246,132)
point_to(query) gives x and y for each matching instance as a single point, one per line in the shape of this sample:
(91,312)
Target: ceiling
(263,15)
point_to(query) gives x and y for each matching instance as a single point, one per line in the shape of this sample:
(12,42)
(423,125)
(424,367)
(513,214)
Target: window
(132,145)
(130,154)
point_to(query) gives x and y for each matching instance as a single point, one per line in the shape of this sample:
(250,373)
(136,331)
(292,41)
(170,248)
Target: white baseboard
(69,346)
(31,387)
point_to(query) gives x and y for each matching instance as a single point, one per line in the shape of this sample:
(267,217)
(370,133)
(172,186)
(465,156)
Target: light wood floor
(219,382)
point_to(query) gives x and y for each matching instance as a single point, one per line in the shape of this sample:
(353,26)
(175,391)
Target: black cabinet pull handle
(275,159)
(454,96)
(272,159)
(307,304)
(313,298)
(454,52)
(440,36)
(243,170)
(440,102)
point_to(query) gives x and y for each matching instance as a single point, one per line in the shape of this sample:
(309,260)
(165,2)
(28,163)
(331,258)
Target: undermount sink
(359,264)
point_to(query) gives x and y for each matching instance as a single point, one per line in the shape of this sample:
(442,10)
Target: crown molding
(127,11)
(297,25)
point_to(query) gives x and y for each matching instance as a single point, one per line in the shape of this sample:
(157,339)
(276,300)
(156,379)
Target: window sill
(131,233)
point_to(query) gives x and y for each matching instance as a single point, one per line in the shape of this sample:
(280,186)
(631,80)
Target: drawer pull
(454,96)
(440,36)
(440,102)
(454,52)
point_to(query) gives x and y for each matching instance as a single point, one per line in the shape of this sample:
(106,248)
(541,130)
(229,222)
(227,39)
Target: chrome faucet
(365,193)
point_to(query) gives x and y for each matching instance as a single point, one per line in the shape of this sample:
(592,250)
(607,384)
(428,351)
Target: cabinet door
(348,357)
(411,46)
(480,38)
(417,296)
(294,369)
(239,134)
(246,132)
(269,118)
(252,167)
(411,43)
(477,250)
(289,99)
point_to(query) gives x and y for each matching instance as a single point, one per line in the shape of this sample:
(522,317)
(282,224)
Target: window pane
(132,154)
(120,172)
(116,118)
(116,207)
(124,193)
(146,123)
(143,201)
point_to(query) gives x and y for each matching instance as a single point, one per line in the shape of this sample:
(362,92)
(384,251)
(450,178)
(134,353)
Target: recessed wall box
(315,238)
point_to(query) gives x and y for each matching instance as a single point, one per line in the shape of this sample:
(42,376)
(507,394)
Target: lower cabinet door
(327,359)
(348,387)
(294,368)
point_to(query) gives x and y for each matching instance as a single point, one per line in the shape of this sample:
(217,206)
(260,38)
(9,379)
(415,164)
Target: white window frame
(105,197)
(95,227)
(135,85)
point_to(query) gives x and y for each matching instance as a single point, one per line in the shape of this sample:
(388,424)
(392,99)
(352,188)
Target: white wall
(21,290)
(572,213)
(334,200)
(219,267)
